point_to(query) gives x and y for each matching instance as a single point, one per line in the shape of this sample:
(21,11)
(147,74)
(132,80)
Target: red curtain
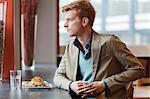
(8,42)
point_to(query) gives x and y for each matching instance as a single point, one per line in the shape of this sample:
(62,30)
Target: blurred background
(128,19)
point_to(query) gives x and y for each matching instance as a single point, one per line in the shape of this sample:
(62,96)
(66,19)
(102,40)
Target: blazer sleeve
(60,79)
(132,68)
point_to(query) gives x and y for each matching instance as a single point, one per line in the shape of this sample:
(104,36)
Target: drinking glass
(15,79)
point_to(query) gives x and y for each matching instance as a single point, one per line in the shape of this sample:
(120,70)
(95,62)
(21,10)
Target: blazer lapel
(96,49)
(95,54)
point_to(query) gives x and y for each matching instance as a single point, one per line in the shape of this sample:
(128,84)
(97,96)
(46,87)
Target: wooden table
(47,73)
(54,93)
(44,71)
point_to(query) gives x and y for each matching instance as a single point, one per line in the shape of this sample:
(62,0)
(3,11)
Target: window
(142,15)
(117,17)
(128,19)
(142,22)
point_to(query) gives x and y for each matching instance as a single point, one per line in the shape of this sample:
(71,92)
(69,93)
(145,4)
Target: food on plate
(35,82)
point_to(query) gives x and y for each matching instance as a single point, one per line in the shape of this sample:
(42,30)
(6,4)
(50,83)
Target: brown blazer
(112,63)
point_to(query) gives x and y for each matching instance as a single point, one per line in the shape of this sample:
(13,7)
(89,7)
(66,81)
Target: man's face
(73,23)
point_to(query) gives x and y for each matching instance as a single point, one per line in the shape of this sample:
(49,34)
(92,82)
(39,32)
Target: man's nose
(65,25)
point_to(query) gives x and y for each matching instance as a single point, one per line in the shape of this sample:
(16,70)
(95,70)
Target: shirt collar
(87,49)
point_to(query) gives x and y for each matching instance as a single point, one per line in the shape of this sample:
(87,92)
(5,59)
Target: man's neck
(85,36)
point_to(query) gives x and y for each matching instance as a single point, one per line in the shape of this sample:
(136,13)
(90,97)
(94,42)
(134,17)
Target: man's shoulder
(105,35)
(70,43)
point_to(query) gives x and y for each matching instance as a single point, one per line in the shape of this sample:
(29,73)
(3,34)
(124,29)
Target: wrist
(102,85)
(70,89)
(107,90)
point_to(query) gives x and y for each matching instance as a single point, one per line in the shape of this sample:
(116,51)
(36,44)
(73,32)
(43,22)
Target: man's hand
(95,88)
(78,86)
(84,89)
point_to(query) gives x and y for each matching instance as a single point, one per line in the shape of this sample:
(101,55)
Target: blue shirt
(85,67)
(84,70)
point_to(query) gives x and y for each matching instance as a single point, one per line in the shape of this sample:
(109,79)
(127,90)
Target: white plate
(48,85)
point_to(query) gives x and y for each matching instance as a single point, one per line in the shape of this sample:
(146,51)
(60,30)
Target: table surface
(47,73)
(54,93)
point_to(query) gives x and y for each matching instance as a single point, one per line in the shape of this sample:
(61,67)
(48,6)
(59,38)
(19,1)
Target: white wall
(46,32)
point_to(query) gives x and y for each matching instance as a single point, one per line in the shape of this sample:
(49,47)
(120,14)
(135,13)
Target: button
(87,46)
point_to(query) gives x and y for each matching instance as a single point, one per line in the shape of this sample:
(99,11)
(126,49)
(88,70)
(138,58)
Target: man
(94,64)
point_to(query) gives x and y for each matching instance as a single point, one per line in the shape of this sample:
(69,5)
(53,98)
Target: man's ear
(85,21)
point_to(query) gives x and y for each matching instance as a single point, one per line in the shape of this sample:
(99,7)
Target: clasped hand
(87,89)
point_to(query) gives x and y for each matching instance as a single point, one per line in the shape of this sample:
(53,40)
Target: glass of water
(15,79)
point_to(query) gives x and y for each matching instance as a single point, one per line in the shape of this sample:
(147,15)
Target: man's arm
(132,67)
(60,79)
